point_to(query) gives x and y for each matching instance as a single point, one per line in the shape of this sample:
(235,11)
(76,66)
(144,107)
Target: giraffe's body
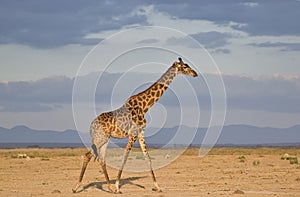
(129,122)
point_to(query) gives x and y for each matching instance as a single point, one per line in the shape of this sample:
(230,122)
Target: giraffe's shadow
(99,185)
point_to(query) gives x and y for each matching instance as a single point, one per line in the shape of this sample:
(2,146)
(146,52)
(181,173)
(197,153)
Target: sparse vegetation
(38,153)
(45,159)
(238,192)
(256,162)
(221,167)
(191,152)
(242,158)
(14,156)
(293,160)
(140,157)
(262,151)
(69,152)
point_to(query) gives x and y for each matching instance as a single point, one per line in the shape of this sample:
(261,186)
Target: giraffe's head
(183,68)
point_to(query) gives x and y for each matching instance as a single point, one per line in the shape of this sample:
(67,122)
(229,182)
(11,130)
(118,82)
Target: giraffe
(129,121)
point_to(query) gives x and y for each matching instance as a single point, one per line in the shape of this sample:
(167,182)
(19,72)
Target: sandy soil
(223,172)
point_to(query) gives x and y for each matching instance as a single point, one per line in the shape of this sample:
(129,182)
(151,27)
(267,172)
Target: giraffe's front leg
(129,145)
(146,154)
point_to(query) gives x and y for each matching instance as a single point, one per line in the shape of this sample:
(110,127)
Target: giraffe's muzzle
(194,74)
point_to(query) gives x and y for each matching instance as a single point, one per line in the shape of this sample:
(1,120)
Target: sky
(255,46)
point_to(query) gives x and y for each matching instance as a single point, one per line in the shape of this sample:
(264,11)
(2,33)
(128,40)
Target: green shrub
(45,159)
(293,160)
(242,158)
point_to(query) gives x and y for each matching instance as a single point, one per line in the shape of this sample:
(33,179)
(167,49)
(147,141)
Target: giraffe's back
(122,122)
(111,126)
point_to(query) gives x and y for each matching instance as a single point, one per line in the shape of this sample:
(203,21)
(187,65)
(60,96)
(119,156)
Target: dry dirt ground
(223,172)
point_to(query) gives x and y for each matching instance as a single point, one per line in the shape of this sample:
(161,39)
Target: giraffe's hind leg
(100,141)
(86,160)
(101,160)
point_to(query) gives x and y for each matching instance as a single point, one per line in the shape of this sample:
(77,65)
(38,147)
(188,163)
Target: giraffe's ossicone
(129,121)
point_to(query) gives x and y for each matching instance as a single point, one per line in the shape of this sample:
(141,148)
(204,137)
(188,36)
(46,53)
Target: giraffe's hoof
(118,192)
(112,190)
(74,190)
(156,189)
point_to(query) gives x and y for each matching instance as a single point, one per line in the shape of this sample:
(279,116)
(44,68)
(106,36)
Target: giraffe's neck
(150,96)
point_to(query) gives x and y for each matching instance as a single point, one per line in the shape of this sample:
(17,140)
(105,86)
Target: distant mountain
(23,134)
(245,134)
(230,135)
(180,135)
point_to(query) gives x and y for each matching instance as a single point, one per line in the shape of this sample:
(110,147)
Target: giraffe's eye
(187,66)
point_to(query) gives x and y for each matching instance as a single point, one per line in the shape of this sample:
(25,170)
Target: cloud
(255,17)
(282,45)
(12,106)
(273,94)
(35,96)
(277,93)
(250,4)
(224,51)
(148,41)
(212,41)
(182,41)
(50,24)
(51,93)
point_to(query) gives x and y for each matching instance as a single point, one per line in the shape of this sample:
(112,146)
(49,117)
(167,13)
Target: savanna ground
(223,172)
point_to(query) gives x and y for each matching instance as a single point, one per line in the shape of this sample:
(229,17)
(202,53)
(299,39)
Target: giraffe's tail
(92,132)
(92,126)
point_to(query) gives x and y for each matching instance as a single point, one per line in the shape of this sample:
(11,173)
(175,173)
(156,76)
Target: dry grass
(42,153)
(53,172)
(246,151)
(68,152)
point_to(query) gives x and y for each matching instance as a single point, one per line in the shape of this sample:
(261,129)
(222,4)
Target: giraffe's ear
(177,64)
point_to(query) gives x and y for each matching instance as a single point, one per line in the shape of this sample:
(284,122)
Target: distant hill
(233,135)
(230,135)
(23,134)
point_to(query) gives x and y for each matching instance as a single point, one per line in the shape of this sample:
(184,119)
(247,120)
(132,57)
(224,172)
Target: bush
(45,159)
(256,162)
(293,160)
(242,158)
